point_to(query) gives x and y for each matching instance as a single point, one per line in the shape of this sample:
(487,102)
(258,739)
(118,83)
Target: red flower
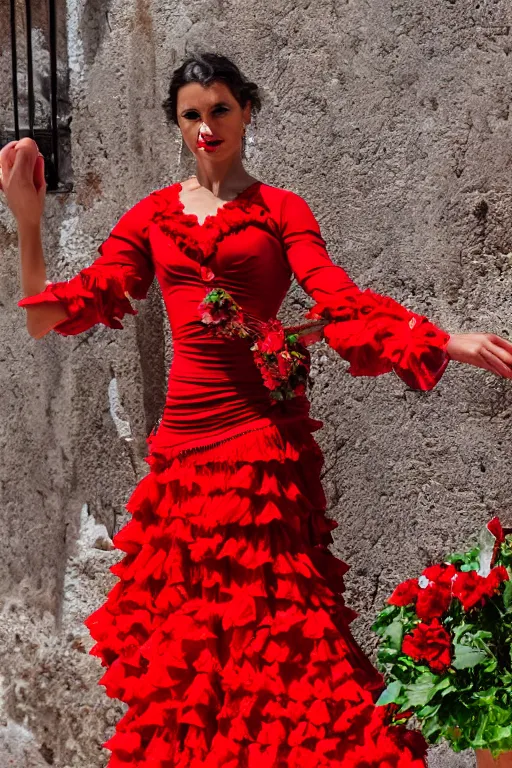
(273,337)
(284,363)
(434,599)
(496,577)
(405,594)
(494,527)
(430,643)
(472,589)
(440,574)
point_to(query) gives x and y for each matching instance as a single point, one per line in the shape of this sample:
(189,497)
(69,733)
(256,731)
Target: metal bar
(14,67)
(52,19)
(30,72)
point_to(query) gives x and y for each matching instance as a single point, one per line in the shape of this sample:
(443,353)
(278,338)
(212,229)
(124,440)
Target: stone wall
(392,119)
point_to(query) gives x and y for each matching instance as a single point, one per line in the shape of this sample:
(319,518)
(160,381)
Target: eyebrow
(195,109)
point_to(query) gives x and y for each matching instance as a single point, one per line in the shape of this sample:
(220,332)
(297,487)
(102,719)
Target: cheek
(189,133)
(233,129)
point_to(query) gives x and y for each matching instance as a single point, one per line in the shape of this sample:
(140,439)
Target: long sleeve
(98,293)
(374,333)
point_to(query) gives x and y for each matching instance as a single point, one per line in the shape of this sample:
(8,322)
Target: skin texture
(204,113)
(212,112)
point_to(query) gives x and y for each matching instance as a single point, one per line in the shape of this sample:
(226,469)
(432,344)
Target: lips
(209,145)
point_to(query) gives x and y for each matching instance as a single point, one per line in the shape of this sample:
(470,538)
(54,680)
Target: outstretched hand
(22,180)
(483,350)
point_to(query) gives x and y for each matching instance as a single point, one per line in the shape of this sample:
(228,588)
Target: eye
(191,114)
(220,110)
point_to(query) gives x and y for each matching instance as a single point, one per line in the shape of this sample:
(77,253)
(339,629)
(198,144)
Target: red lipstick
(209,145)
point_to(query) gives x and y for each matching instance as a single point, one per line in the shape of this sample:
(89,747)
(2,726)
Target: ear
(247,113)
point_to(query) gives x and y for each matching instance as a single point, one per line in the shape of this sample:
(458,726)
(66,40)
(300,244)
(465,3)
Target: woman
(226,634)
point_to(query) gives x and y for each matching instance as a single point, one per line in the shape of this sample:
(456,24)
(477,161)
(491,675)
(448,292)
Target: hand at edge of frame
(483,350)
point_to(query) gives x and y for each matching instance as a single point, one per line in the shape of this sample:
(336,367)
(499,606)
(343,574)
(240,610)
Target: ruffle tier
(227,635)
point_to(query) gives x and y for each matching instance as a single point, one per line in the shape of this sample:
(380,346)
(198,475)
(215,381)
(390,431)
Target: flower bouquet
(280,353)
(446,648)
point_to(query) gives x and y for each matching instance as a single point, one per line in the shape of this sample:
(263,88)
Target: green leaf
(467,657)
(507,596)
(428,711)
(420,692)
(394,634)
(471,566)
(387,655)
(431,729)
(463,629)
(485,698)
(443,684)
(391,694)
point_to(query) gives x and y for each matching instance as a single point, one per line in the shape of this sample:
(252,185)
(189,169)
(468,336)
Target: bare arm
(40,318)
(22,182)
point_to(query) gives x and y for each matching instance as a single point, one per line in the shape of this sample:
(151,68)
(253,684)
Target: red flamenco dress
(227,635)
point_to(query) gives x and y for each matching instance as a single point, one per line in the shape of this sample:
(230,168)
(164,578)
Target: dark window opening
(34,85)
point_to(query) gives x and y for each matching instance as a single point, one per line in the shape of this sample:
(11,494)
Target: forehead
(193,95)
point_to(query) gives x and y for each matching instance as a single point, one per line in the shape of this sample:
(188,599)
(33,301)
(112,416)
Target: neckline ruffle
(201,240)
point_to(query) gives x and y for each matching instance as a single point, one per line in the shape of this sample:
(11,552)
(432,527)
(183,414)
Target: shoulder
(284,203)
(142,212)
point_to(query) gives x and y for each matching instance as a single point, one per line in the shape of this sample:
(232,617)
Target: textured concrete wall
(392,119)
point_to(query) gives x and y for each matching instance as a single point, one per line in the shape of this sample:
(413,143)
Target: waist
(210,398)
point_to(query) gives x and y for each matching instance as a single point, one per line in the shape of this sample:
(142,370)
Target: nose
(204,129)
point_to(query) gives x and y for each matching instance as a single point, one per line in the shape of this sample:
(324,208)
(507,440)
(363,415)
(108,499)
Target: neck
(222,178)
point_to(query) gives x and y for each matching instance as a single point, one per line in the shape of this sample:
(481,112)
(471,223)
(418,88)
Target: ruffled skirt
(226,634)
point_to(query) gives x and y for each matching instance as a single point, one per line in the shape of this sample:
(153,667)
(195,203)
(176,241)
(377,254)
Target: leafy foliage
(451,667)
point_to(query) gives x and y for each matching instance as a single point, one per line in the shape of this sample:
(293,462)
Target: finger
(24,161)
(500,352)
(7,157)
(7,149)
(486,365)
(39,180)
(495,364)
(28,145)
(500,342)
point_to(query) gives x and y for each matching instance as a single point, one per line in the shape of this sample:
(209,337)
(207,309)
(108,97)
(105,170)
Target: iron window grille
(35,96)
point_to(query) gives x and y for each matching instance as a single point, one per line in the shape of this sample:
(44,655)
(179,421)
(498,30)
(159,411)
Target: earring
(177,171)
(244,142)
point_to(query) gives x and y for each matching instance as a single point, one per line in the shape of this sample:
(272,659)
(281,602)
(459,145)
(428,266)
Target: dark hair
(206,68)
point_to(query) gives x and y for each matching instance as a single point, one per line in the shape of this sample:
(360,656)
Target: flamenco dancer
(226,635)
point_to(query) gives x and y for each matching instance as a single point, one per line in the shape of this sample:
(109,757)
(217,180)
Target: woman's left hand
(484,350)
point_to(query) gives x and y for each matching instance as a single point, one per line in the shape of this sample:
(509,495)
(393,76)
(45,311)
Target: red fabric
(252,248)
(227,635)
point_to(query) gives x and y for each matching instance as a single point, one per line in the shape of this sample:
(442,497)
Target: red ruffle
(97,294)
(227,635)
(378,335)
(200,241)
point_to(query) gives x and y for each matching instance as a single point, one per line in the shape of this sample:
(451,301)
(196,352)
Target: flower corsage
(280,353)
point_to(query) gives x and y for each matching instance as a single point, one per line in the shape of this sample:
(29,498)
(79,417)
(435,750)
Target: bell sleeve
(374,333)
(100,292)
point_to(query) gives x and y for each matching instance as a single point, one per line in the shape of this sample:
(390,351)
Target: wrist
(29,229)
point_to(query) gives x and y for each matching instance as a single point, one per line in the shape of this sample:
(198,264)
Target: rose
(405,594)
(430,643)
(472,589)
(434,598)
(273,337)
(432,592)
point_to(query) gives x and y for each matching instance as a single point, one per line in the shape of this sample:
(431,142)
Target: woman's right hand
(22,180)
